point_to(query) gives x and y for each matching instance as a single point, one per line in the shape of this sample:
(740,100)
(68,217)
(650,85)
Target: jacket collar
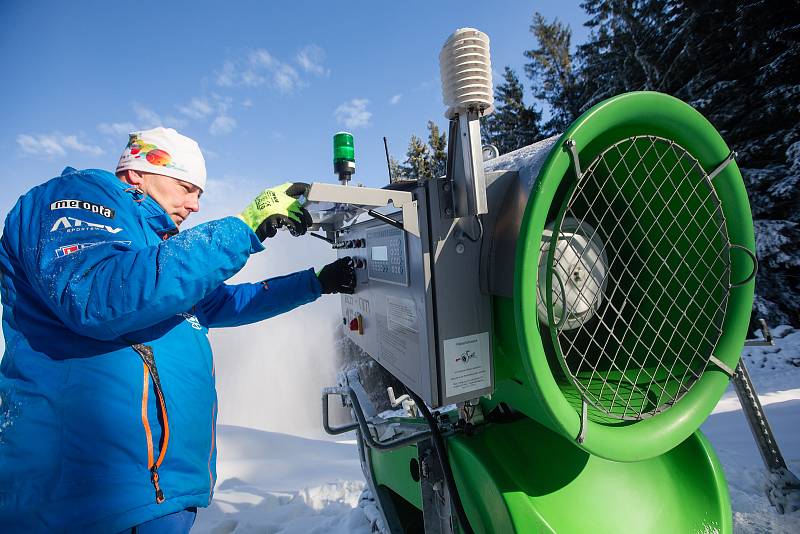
(157,219)
(154,214)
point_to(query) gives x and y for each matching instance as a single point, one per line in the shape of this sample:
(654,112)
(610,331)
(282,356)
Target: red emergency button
(357,324)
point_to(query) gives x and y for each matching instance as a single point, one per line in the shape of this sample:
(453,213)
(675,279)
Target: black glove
(338,277)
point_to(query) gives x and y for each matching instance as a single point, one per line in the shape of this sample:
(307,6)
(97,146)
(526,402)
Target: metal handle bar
(755,264)
(333,430)
(563,317)
(361,423)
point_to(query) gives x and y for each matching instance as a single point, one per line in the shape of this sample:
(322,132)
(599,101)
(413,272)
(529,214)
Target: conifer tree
(398,171)
(438,150)
(738,63)
(513,124)
(628,47)
(553,74)
(418,159)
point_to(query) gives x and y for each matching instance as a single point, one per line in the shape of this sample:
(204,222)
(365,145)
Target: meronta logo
(83,205)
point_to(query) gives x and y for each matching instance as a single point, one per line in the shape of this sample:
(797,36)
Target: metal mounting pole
(465,165)
(754,413)
(436,514)
(782,484)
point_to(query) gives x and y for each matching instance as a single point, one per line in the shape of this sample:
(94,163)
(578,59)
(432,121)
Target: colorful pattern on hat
(164,151)
(153,154)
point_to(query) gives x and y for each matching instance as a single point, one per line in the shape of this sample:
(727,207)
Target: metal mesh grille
(664,290)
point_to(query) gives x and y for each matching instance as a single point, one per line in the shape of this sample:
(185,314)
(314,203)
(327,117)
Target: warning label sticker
(467,366)
(394,351)
(401,315)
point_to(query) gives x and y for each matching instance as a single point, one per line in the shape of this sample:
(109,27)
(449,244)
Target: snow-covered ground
(269,483)
(777,380)
(277,483)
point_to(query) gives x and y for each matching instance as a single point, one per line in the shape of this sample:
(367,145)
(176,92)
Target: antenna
(388,161)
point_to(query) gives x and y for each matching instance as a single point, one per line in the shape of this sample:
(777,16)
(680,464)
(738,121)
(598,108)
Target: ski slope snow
(279,483)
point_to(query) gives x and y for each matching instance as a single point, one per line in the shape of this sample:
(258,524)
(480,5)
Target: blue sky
(262,86)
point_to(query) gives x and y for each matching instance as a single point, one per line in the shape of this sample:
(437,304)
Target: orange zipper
(154,465)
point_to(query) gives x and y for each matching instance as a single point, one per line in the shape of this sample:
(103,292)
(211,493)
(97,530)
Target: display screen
(380,253)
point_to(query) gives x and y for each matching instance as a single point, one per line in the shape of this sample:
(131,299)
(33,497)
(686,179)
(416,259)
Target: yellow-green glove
(278,207)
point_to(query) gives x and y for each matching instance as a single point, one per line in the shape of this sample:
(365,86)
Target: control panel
(387,255)
(418,309)
(388,314)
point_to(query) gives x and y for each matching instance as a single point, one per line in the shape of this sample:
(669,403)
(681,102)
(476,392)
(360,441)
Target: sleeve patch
(65,250)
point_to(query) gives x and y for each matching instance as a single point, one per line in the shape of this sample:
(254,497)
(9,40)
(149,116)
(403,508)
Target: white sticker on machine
(401,315)
(467,366)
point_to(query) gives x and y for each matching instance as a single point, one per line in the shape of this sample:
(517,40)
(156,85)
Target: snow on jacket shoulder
(90,270)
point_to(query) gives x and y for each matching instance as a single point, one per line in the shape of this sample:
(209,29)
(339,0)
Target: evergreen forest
(737,63)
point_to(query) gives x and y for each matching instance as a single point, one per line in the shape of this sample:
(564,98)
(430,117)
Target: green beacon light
(344,160)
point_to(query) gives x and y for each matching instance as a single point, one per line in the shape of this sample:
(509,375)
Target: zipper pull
(154,480)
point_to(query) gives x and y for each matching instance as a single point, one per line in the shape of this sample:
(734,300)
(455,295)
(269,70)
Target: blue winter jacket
(96,281)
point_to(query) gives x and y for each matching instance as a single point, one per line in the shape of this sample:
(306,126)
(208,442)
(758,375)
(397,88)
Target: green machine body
(641,202)
(620,261)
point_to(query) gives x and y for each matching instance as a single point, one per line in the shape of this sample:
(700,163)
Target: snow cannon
(620,260)
(561,318)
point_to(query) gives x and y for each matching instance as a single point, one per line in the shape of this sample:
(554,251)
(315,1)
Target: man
(107,399)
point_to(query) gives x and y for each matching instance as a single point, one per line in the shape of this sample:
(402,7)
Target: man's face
(178,198)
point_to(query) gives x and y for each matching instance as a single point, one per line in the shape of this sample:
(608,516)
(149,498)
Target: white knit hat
(165,151)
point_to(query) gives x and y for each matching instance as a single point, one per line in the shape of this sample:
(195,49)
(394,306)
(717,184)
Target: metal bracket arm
(334,430)
(766,337)
(369,196)
(362,424)
(782,485)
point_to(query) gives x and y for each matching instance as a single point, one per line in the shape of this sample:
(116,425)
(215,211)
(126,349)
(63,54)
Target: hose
(438,444)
